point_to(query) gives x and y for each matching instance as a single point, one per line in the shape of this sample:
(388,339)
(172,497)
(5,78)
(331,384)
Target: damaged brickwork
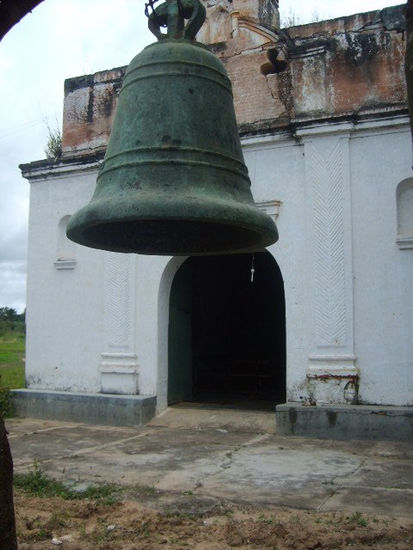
(347,67)
(89,109)
(344,388)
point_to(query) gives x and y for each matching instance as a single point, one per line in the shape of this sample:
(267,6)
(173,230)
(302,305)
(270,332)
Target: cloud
(13,267)
(13,246)
(13,285)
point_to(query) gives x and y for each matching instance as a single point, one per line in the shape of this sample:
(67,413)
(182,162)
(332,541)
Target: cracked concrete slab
(263,473)
(386,473)
(213,455)
(171,462)
(371,500)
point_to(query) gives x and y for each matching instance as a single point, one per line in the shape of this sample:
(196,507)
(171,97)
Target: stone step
(370,422)
(90,408)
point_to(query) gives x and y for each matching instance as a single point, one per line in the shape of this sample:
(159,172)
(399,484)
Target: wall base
(345,422)
(90,408)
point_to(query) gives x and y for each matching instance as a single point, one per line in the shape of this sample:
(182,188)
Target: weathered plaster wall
(348,66)
(352,64)
(89,108)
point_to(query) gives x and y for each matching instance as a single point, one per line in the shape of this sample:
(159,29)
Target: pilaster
(119,366)
(331,371)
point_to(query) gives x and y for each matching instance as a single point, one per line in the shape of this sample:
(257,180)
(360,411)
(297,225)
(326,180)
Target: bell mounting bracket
(181,18)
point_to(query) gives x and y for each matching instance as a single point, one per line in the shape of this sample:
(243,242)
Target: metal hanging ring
(148,5)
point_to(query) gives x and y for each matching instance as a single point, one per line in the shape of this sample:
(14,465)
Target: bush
(5,404)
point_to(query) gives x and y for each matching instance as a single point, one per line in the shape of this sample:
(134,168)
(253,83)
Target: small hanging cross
(252,268)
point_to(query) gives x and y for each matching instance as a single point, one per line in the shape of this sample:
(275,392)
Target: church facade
(322,317)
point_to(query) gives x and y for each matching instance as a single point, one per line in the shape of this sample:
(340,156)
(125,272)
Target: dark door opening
(227,333)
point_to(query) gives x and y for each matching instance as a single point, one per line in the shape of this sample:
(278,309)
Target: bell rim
(260,231)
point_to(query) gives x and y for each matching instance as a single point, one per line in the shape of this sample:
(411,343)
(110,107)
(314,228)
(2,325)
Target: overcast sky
(61,39)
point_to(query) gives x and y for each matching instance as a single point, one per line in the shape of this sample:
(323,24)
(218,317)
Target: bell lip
(267,235)
(257,247)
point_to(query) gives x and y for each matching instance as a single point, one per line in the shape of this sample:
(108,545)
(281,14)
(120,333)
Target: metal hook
(148,5)
(252,268)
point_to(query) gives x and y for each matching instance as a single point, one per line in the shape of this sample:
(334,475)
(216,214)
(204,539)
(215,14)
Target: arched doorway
(226,338)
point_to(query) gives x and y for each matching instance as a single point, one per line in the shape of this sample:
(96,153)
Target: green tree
(8,314)
(10,320)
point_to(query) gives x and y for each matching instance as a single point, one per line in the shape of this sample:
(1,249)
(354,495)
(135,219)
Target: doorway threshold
(239,403)
(204,416)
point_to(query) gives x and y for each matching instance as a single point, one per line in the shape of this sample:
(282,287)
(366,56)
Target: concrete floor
(222,453)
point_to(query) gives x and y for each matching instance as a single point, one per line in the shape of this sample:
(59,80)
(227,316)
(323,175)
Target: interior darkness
(237,340)
(169,237)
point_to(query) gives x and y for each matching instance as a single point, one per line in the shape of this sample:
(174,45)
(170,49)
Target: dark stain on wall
(285,92)
(78,82)
(89,116)
(296,49)
(332,418)
(106,102)
(362,48)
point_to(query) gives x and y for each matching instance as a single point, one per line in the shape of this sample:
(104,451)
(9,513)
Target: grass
(357,518)
(37,484)
(12,352)
(12,348)
(11,377)
(265,519)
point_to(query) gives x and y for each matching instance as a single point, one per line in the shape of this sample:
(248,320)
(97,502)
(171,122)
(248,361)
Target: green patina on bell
(174,181)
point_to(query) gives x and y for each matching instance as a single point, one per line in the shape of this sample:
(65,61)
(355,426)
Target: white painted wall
(64,306)
(383,273)
(103,325)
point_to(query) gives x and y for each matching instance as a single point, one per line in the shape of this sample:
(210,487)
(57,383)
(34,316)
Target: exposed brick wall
(256,96)
(89,108)
(342,67)
(348,65)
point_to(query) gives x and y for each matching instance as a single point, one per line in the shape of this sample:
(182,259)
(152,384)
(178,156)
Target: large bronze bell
(174,181)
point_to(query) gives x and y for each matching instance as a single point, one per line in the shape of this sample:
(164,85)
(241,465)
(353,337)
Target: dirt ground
(149,522)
